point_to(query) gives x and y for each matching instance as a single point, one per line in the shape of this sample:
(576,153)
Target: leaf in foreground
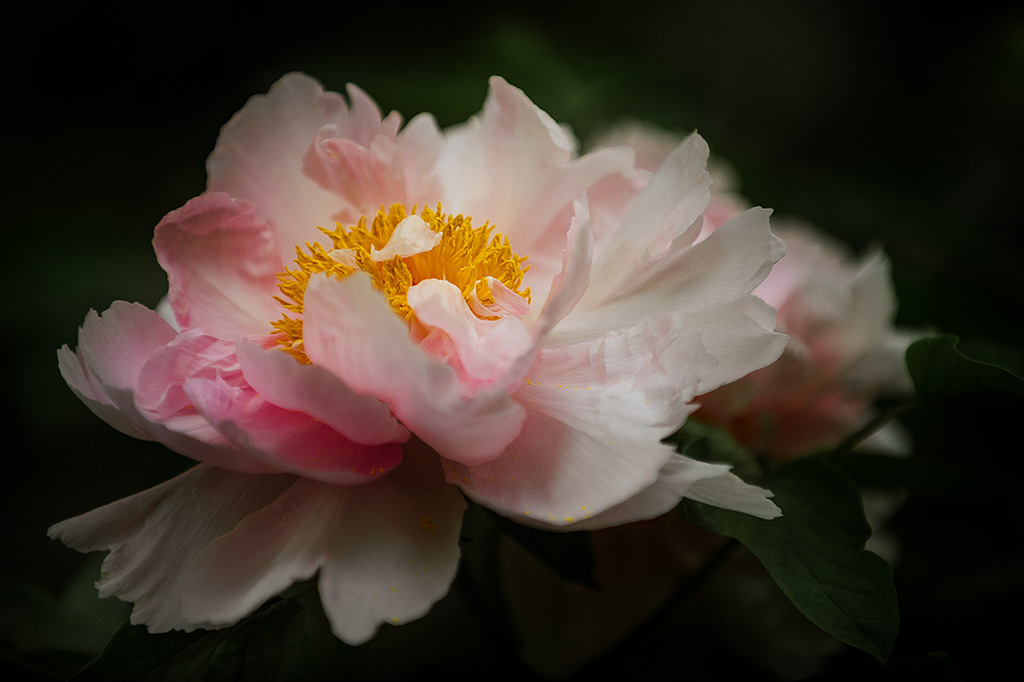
(260,647)
(815,552)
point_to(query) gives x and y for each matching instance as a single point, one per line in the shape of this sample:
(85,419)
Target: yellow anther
(464,256)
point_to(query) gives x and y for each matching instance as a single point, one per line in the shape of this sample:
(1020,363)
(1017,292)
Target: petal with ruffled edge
(661,222)
(380,171)
(114,352)
(260,151)
(482,351)
(222,266)
(276,376)
(154,536)
(718,271)
(286,440)
(683,477)
(149,333)
(513,166)
(350,330)
(386,551)
(604,408)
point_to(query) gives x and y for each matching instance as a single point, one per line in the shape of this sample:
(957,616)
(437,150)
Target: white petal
(728,491)
(154,536)
(684,477)
(597,414)
(506,302)
(386,551)
(665,211)
(411,236)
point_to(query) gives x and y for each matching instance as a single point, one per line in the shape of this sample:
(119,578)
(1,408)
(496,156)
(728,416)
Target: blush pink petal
(113,353)
(377,172)
(514,166)
(259,153)
(285,440)
(570,283)
(276,377)
(483,350)
(719,270)
(113,361)
(222,265)
(386,551)
(662,221)
(350,330)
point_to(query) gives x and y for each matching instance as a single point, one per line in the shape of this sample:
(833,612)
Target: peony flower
(843,353)
(368,321)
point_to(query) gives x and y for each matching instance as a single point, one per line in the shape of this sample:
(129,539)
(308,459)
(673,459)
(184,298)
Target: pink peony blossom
(844,351)
(344,387)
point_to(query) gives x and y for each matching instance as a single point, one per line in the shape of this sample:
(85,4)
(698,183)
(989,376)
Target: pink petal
(259,154)
(285,440)
(109,372)
(514,167)
(349,329)
(222,264)
(366,177)
(597,413)
(482,351)
(386,551)
(276,377)
(368,165)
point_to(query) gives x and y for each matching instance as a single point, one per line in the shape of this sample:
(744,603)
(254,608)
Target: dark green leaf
(569,555)
(711,444)
(815,552)
(261,647)
(938,367)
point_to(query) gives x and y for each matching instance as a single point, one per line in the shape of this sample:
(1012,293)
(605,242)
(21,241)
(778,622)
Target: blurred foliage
(900,128)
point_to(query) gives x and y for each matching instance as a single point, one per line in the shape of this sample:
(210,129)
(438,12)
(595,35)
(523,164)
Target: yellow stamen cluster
(465,256)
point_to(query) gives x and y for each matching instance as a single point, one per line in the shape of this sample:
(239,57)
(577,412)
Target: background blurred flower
(844,351)
(332,404)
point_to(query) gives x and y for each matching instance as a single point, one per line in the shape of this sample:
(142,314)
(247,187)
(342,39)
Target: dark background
(901,127)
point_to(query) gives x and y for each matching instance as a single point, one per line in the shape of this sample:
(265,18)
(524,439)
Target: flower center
(399,250)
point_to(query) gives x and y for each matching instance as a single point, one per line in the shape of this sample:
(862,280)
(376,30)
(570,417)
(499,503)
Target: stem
(866,431)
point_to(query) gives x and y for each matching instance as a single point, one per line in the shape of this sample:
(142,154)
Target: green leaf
(569,555)
(712,444)
(260,648)
(938,367)
(815,552)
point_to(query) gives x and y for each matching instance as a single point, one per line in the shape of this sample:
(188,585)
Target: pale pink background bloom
(354,466)
(844,350)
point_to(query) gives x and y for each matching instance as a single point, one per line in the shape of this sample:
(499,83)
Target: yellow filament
(465,256)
